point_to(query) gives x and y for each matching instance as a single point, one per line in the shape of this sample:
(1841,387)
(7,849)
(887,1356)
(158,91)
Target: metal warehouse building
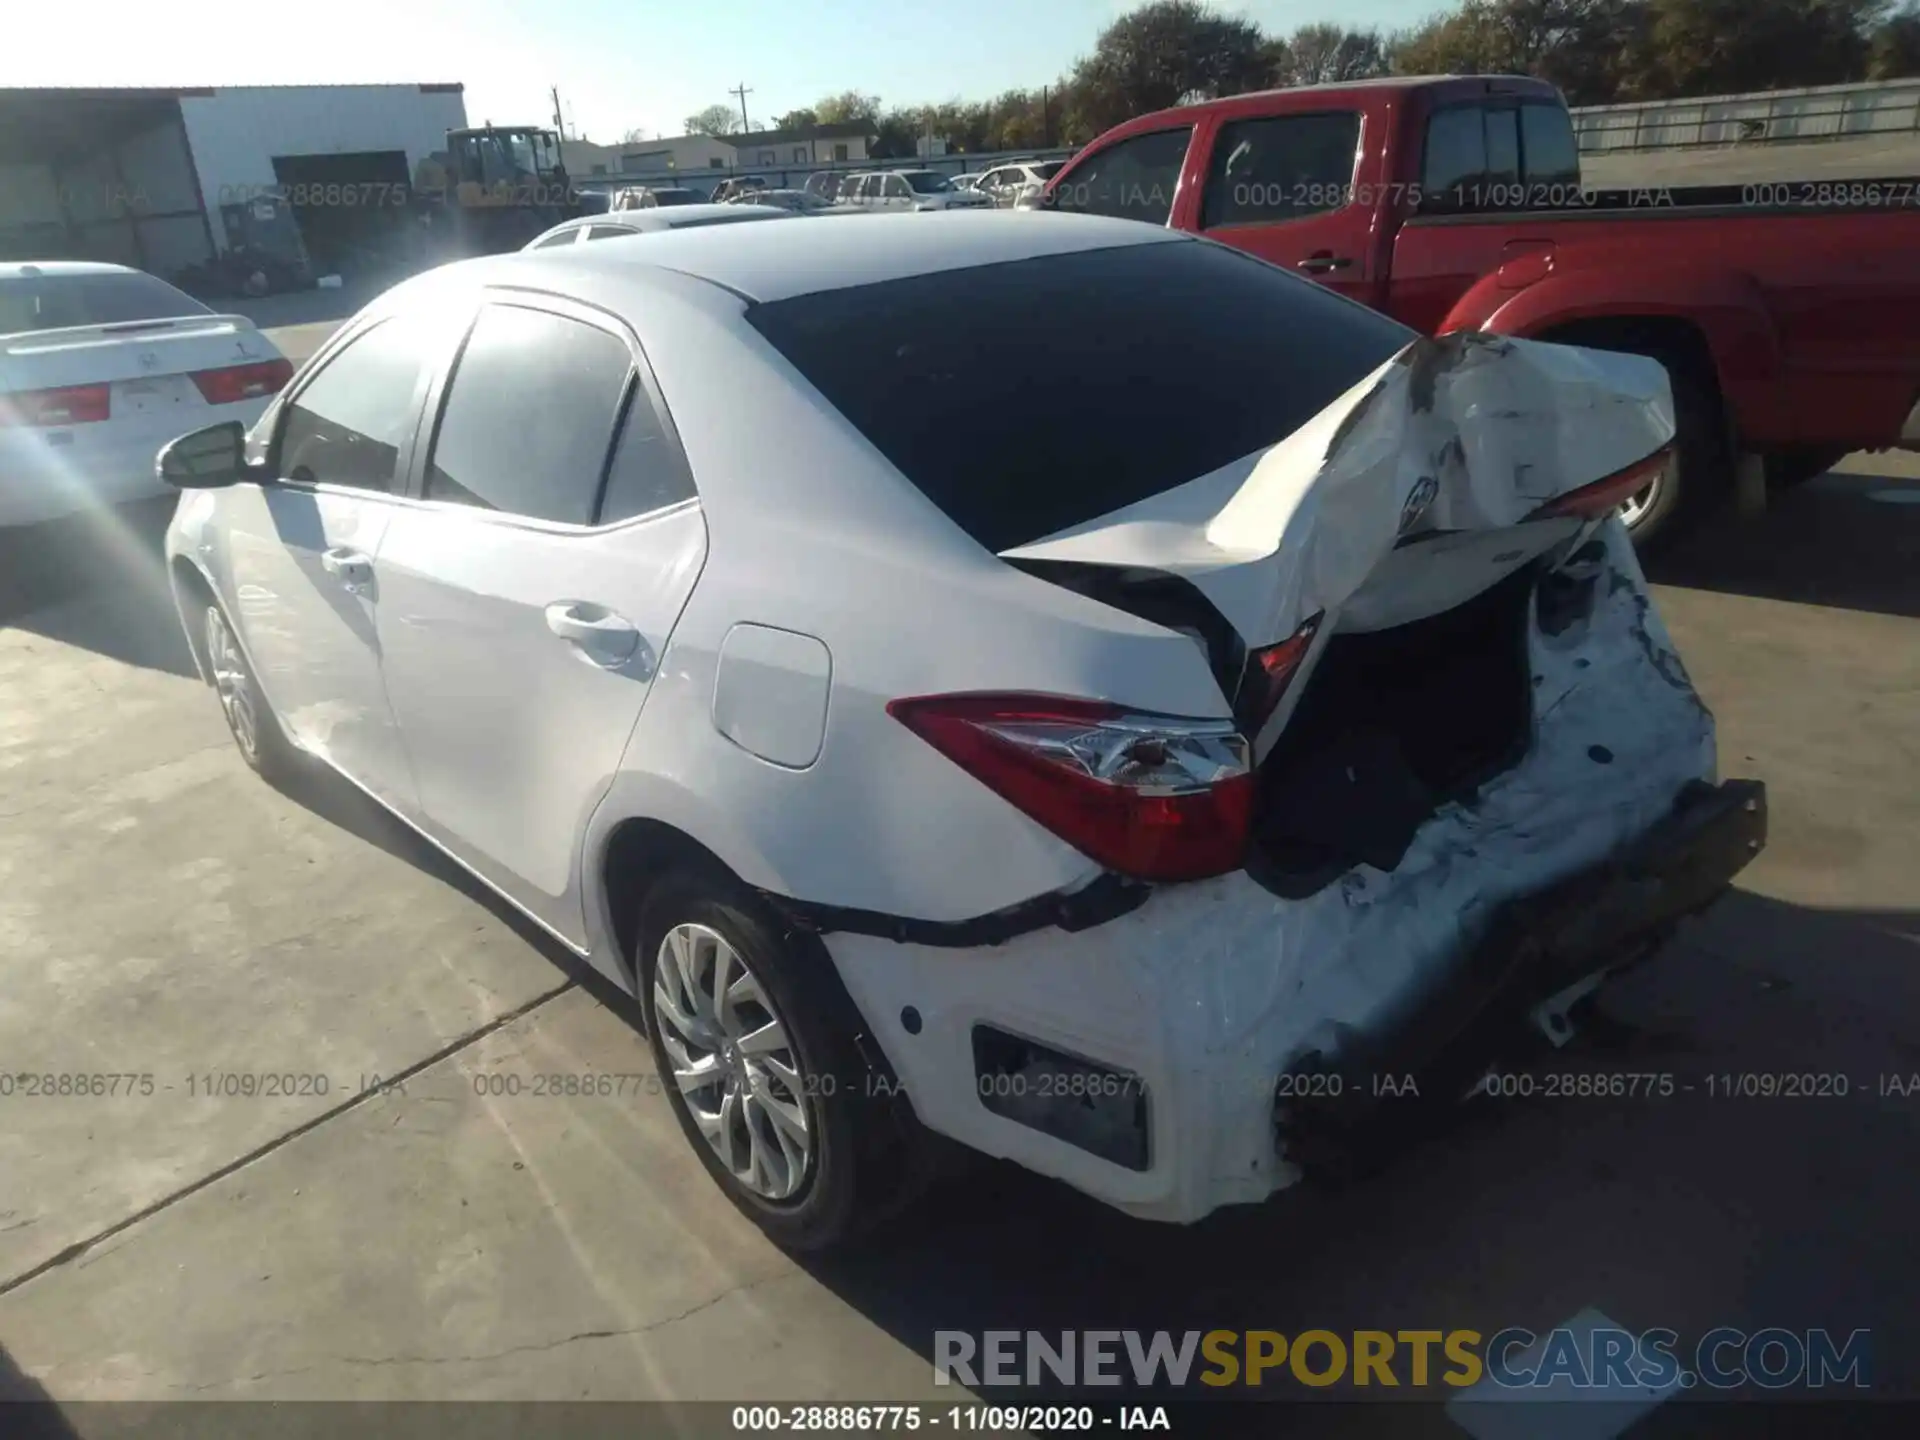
(151,177)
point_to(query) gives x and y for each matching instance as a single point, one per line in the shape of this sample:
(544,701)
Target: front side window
(529,415)
(348,425)
(1132,180)
(897,189)
(1282,168)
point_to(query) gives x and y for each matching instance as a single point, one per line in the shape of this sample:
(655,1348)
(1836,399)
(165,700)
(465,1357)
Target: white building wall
(237,131)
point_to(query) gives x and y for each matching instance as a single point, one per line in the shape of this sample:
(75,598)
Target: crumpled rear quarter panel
(1211,989)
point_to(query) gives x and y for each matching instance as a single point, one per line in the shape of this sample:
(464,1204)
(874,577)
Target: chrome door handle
(1323,262)
(605,636)
(349,565)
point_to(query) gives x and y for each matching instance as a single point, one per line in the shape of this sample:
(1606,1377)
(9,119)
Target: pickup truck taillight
(1604,496)
(243,382)
(1154,797)
(68,405)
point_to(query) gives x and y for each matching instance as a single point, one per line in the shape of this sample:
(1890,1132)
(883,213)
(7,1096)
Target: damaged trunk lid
(1366,588)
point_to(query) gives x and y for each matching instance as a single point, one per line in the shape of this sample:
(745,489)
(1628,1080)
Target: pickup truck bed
(1787,313)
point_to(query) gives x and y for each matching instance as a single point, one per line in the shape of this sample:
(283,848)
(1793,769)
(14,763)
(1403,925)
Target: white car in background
(100,366)
(617,223)
(1282,708)
(906,190)
(1006,184)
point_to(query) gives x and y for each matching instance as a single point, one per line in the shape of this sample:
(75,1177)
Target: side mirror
(208,459)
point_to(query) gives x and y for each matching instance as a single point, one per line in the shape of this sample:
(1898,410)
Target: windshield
(673,197)
(1112,374)
(51,302)
(926,182)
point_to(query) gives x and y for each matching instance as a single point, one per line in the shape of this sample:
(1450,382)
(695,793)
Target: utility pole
(559,123)
(1046,121)
(742,91)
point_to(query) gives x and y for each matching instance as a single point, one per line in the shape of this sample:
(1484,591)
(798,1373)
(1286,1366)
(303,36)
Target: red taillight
(1151,796)
(1269,672)
(1603,497)
(243,382)
(69,405)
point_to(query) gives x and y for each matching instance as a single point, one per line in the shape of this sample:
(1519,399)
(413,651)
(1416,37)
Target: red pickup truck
(1787,315)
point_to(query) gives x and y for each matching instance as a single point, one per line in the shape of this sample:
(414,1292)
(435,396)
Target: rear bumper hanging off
(1602,919)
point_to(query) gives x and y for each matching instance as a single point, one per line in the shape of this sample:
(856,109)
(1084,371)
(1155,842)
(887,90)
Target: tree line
(1173,52)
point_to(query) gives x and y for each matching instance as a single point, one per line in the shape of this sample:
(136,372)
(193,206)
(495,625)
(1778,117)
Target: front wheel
(255,730)
(757,1058)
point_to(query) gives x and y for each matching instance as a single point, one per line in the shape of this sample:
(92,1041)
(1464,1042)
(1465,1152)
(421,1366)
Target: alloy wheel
(733,1062)
(232,683)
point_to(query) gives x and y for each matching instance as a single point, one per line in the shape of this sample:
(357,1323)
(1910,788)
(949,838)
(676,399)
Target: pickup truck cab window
(1280,168)
(1494,157)
(1133,179)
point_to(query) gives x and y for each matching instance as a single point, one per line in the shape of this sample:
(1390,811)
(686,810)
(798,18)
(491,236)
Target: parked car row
(905,190)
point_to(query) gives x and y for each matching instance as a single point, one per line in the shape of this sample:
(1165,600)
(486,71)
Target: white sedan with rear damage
(101,365)
(1278,708)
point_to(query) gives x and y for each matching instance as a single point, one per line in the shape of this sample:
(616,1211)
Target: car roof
(30,269)
(806,259)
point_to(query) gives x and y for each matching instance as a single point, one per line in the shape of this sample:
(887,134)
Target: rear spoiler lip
(26,341)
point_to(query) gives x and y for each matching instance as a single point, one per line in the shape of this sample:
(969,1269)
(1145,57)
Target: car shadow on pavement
(97,583)
(27,1411)
(1691,1211)
(1829,542)
(316,788)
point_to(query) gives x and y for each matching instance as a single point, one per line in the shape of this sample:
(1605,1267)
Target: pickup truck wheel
(1699,476)
(758,1063)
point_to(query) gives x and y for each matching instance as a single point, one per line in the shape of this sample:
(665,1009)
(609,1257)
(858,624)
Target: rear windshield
(51,302)
(1112,375)
(673,197)
(1050,169)
(927,182)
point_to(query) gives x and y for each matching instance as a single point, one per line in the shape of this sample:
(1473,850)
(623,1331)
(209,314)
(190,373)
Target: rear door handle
(1324,261)
(606,638)
(349,565)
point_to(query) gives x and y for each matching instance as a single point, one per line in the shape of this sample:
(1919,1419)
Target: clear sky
(619,64)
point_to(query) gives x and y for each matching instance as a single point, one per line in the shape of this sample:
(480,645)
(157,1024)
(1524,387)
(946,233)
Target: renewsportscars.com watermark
(1514,1358)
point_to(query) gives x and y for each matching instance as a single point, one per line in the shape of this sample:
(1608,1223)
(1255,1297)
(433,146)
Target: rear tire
(787,1125)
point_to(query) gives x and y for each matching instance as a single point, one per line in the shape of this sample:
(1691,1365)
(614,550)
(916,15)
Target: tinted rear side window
(529,416)
(1132,179)
(52,302)
(1113,374)
(1552,156)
